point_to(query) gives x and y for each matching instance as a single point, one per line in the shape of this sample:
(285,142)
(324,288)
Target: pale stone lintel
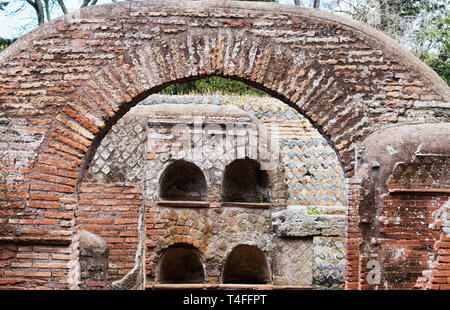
(294,222)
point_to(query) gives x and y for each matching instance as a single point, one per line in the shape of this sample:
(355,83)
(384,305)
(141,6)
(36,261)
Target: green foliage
(414,7)
(423,26)
(439,63)
(261,199)
(212,85)
(313,211)
(434,39)
(4,43)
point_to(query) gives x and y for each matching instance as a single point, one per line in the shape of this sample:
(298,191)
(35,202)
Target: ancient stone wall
(94,254)
(404,237)
(130,167)
(437,277)
(64,85)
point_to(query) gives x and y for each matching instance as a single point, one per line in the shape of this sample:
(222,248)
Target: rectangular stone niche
(253,205)
(294,222)
(183,204)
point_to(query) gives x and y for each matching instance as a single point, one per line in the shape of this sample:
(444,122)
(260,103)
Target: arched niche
(245,181)
(181,263)
(183,181)
(246,264)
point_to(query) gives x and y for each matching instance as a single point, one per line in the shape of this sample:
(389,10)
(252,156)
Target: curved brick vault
(65,84)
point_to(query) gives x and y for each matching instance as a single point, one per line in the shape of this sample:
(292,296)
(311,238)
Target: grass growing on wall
(213,85)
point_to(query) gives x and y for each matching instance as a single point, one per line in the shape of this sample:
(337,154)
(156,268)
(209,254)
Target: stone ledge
(253,205)
(183,204)
(294,222)
(207,204)
(418,190)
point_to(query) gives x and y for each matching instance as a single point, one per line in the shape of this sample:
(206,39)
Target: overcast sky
(13,25)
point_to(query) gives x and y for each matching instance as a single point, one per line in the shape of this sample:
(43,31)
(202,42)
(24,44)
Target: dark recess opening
(246,264)
(183,180)
(181,264)
(244,181)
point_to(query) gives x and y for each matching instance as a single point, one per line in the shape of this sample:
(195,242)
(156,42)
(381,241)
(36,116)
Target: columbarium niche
(246,264)
(245,181)
(183,181)
(303,248)
(180,264)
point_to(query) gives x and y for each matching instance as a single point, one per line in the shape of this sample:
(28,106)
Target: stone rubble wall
(137,149)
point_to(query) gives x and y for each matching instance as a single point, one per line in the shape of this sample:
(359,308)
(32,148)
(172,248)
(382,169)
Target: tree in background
(435,47)
(45,10)
(400,19)
(422,26)
(4,43)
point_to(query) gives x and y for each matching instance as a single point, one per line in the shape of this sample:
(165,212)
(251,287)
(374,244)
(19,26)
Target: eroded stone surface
(295,222)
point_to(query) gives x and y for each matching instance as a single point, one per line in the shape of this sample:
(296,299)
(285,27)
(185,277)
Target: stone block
(295,222)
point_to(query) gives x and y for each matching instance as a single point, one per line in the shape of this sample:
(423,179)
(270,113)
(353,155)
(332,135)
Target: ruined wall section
(65,84)
(211,137)
(437,277)
(416,191)
(111,194)
(398,244)
(313,180)
(148,129)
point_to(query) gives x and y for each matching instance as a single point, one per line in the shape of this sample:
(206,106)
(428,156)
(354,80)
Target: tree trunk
(40,12)
(47,9)
(297,2)
(63,6)
(384,8)
(37,6)
(316,4)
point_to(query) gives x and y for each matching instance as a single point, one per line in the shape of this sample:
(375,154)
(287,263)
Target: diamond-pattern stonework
(143,144)
(313,173)
(121,154)
(298,255)
(423,174)
(329,263)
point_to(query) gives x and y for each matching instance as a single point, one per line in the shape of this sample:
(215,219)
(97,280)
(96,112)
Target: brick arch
(64,85)
(147,70)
